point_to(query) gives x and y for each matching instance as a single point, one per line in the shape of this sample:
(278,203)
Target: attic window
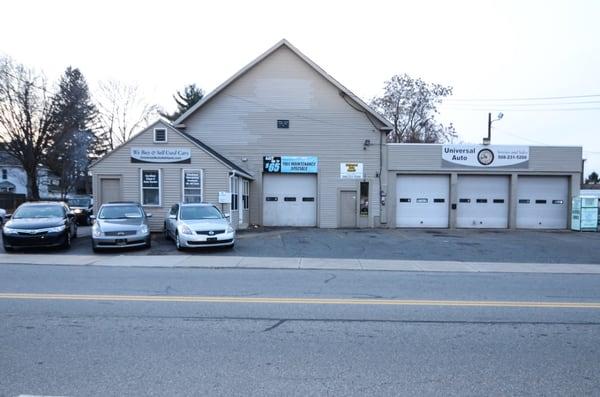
(160,135)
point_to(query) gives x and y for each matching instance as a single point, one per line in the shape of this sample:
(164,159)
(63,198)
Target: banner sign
(290,164)
(485,156)
(192,180)
(149,178)
(160,155)
(351,170)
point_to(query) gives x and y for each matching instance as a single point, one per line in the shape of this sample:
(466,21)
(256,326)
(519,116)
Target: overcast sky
(484,49)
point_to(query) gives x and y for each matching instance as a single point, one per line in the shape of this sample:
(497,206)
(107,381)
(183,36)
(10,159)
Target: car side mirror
(7,216)
(227,216)
(93,217)
(70,214)
(148,215)
(172,216)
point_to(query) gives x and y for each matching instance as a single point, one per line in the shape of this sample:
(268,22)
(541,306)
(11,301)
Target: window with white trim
(246,193)
(234,189)
(192,186)
(150,182)
(160,135)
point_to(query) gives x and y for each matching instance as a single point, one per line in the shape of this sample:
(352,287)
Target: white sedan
(198,225)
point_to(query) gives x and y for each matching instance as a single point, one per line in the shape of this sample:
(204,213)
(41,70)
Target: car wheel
(67,243)
(95,249)
(230,246)
(149,242)
(75,232)
(178,242)
(166,232)
(8,249)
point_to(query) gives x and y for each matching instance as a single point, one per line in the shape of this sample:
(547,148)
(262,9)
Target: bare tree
(27,119)
(411,105)
(123,110)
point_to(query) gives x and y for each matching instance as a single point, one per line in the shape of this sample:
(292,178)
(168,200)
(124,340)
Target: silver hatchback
(121,224)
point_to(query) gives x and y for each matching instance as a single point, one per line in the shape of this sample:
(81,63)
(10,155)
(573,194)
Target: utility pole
(489,137)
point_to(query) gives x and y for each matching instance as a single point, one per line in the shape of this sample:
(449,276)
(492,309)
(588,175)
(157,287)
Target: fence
(10,201)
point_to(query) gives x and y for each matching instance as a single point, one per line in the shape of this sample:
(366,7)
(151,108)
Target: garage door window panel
(150,182)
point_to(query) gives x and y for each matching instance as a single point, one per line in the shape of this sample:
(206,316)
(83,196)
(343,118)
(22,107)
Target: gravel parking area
(404,244)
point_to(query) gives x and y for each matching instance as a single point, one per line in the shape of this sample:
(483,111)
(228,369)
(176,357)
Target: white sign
(351,170)
(224,198)
(485,156)
(160,155)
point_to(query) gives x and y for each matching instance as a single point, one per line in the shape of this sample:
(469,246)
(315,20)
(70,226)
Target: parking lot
(404,244)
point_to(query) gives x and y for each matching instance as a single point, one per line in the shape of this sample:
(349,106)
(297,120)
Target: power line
(528,104)
(522,110)
(547,98)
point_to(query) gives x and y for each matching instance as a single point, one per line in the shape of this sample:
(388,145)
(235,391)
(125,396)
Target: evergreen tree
(76,143)
(190,96)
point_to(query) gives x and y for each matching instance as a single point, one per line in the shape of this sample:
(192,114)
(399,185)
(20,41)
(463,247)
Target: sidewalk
(197,261)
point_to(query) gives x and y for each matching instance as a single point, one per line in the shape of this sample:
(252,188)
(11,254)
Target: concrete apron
(238,262)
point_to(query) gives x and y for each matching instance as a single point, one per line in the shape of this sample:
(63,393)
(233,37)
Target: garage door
(110,190)
(542,202)
(422,200)
(482,201)
(289,200)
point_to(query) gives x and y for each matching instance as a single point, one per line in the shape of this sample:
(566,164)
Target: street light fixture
(488,139)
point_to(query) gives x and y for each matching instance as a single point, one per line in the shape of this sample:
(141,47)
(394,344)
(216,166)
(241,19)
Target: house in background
(13,178)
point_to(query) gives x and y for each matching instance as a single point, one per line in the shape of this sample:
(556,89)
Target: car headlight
(229,229)
(143,229)
(96,231)
(8,230)
(185,229)
(56,229)
(78,211)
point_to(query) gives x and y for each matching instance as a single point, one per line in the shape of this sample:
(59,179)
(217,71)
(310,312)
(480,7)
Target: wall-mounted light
(366,144)
(244,159)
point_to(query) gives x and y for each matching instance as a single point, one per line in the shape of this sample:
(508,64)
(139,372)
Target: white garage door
(542,202)
(422,200)
(289,200)
(482,201)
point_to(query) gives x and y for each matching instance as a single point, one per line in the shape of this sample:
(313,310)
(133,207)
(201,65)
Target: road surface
(83,331)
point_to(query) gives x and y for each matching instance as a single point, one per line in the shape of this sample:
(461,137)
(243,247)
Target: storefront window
(192,186)
(150,182)
(245,194)
(234,188)
(364,199)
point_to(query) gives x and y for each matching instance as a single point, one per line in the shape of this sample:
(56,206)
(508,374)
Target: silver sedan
(198,225)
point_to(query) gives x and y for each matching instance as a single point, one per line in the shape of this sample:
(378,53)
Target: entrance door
(482,201)
(422,200)
(110,190)
(542,202)
(289,200)
(348,208)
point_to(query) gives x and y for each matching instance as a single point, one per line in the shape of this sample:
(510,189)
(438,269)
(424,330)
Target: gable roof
(386,126)
(219,157)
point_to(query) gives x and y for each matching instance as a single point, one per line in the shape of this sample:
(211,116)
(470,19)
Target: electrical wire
(523,98)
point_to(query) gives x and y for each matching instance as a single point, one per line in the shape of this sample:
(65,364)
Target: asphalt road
(144,331)
(524,246)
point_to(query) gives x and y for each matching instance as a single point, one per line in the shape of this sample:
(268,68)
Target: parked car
(198,225)
(121,224)
(2,216)
(83,208)
(39,224)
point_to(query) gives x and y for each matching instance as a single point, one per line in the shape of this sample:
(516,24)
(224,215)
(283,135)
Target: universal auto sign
(485,156)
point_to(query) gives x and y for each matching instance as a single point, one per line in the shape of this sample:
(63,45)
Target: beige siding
(428,157)
(215,174)
(241,123)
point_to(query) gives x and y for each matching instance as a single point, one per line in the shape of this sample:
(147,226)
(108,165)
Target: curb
(238,262)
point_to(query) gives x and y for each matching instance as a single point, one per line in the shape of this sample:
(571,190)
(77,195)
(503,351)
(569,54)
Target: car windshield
(39,211)
(200,212)
(79,202)
(120,212)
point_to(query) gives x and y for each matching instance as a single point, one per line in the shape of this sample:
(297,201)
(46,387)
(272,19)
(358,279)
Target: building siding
(241,124)
(215,174)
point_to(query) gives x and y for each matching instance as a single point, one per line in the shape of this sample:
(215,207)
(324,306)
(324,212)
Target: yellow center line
(301,301)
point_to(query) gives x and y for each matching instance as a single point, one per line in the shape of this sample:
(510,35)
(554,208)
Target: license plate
(211,239)
(121,241)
